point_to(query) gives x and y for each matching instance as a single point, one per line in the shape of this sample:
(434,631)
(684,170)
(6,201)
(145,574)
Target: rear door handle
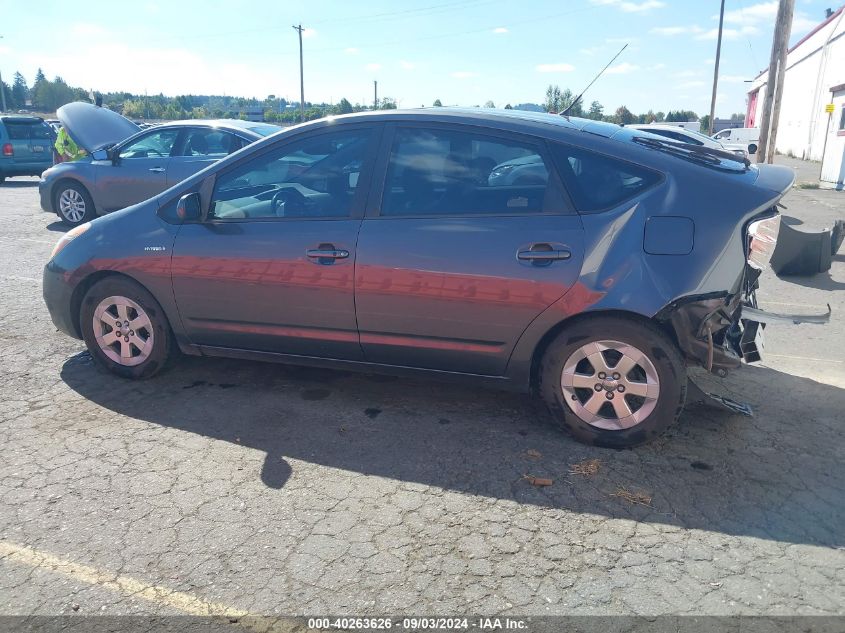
(157,170)
(543,256)
(327,253)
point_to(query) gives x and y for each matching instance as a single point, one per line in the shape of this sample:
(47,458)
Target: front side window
(157,144)
(311,178)
(445,172)
(596,181)
(209,142)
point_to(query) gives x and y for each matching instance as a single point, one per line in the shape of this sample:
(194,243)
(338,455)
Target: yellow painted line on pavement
(154,593)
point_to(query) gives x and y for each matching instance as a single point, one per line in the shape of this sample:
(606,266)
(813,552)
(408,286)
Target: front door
(272,267)
(471,240)
(138,172)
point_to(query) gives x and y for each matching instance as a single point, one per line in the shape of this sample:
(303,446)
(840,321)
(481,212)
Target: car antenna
(578,98)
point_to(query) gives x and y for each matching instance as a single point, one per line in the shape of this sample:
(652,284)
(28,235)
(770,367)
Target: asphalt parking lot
(237,487)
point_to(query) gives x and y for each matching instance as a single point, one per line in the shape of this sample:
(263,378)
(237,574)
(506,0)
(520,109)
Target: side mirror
(189,208)
(100,154)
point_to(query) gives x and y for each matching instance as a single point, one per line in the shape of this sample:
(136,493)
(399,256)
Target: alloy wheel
(123,331)
(610,384)
(72,205)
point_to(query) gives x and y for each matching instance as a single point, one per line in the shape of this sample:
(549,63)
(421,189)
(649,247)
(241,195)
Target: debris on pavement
(637,498)
(587,468)
(538,481)
(533,454)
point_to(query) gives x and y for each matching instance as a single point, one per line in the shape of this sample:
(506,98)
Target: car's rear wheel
(752,149)
(613,382)
(73,203)
(125,329)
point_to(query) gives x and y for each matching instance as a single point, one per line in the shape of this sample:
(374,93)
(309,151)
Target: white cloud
(463,74)
(86,29)
(631,7)
(763,14)
(555,68)
(352,51)
(4,50)
(685,73)
(728,34)
(373,67)
(670,31)
(306,33)
(622,69)
(732,79)
(500,30)
(692,84)
(406,65)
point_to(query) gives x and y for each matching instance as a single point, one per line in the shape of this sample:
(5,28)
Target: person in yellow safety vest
(67,149)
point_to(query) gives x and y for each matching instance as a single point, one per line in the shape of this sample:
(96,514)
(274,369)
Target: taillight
(762,239)
(8,150)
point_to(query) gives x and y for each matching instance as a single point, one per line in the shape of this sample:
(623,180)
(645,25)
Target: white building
(814,78)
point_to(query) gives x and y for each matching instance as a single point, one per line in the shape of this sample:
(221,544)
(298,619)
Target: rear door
(470,239)
(139,170)
(198,148)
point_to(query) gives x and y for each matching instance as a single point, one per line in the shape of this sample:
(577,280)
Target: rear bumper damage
(718,333)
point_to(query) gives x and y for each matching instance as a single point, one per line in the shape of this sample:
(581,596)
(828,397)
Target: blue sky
(463,53)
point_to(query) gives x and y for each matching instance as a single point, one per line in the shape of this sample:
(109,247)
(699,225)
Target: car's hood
(93,127)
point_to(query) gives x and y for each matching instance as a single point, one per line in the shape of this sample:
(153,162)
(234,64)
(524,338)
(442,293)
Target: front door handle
(157,170)
(326,253)
(541,256)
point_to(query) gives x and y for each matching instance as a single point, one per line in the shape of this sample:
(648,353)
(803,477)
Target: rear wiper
(697,153)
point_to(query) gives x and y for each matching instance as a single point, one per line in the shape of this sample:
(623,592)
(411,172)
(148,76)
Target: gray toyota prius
(586,262)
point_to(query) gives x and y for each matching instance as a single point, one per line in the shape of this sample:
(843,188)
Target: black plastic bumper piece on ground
(802,253)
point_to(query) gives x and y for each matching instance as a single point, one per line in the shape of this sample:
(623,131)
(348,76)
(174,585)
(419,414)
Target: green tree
(388,103)
(623,116)
(489,104)
(508,107)
(566,99)
(553,99)
(344,107)
(437,103)
(7,95)
(680,116)
(20,91)
(596,111)
(704,124)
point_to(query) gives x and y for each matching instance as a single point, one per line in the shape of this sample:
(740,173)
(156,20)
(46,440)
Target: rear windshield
(28,130)
(265,130)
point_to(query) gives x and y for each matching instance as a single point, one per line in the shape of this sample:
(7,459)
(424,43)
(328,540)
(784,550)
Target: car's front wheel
(613,382)
(125,329)
(73,203)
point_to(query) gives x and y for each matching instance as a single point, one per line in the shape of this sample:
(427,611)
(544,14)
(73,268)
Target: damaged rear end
(719,330)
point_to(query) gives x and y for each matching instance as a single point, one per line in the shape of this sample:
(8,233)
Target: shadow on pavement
(776,476)
(20,184)
(58,226)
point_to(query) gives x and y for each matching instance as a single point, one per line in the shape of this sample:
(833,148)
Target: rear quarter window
(596,182)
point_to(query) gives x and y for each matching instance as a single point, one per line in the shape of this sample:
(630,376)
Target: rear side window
(209,142)
(446,172)
(28,130)
(596,182)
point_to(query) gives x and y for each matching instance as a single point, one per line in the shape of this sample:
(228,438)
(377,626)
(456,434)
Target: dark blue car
(589,263)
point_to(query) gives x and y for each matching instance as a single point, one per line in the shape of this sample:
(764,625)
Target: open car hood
(92,127)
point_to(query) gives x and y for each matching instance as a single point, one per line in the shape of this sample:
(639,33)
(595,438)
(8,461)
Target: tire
(752,149)
(127,355)
(2,179)
(653,390)
(73,203)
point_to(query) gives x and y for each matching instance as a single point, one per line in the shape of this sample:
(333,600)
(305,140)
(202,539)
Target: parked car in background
(121,171)
(26,146)
(689,136)
(749,137)
(377,241)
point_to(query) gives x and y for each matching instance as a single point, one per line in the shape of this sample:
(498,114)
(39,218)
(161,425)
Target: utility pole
(299,30)
(375,94)
(716,70)
(774,85)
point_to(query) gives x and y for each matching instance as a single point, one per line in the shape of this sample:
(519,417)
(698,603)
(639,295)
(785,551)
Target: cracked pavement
(276,490)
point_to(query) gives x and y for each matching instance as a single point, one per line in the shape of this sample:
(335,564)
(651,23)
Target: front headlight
(66,239)
(762,240)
